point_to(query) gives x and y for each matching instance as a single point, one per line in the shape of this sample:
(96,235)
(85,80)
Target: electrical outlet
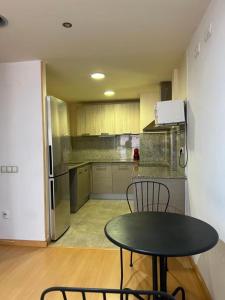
(208,33)
(5,214)
(9,169)
(197,50)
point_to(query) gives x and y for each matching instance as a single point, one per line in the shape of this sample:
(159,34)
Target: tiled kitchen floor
(87,225)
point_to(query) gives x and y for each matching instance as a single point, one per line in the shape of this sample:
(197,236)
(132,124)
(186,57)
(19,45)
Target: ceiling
(136,43)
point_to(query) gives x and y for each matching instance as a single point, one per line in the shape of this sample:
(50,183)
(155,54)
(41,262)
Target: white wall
(21,137)
(147,103)
(206,142)
(179,80)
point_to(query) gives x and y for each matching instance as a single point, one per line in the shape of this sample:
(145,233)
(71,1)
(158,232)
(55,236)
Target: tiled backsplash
(155,147)
(118,147)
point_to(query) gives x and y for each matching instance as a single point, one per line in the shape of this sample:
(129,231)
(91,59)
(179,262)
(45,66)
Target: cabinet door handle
(52,194)
(50,160)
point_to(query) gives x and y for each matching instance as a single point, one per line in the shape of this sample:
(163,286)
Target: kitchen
(175,41)
(98,143)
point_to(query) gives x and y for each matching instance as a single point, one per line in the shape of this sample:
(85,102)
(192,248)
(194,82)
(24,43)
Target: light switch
(197,50)
(208,33)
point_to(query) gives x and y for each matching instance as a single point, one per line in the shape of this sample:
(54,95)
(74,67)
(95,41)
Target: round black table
(160,235)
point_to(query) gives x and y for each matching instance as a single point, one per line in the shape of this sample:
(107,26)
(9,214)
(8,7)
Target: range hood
(153,127)
(167,112)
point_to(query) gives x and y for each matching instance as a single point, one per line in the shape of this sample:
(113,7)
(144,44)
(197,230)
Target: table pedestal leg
(163,273)
(121,268)
(154,273)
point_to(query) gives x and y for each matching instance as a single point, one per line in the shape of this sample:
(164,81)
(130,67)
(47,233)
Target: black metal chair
(85,293)
(147,196)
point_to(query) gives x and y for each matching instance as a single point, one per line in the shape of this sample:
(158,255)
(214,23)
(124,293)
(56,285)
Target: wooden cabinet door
(83,185)
(81,120)
(134,117)
(121,177)
(127,118)
(108,122)
(111,118)
(80,189)
(86,182)
(101,179)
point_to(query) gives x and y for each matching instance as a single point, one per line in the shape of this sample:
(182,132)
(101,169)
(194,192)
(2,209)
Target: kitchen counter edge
(135,175)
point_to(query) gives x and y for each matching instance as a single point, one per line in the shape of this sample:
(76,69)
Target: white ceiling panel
(136,43)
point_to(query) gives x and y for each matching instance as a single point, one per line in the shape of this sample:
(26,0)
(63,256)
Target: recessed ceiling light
(3,21)
(97,76)
(109,93)
(67,24)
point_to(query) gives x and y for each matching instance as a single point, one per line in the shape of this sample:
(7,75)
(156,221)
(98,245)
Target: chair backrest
(102,294)
(148,196)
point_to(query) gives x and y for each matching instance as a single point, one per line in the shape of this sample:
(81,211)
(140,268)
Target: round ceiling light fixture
(109,93)
(97,76)
(3,21)
(67,24)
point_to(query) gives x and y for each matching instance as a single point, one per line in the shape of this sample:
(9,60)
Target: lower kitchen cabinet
(176,187)
(79,187)
(110,180)
(101,178)
(121,177)
(83,183)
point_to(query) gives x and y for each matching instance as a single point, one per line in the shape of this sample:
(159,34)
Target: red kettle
(136,154)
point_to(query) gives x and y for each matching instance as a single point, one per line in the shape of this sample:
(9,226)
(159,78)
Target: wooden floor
(25,272)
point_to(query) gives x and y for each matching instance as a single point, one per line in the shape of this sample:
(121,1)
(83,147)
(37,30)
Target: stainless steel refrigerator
(58,146)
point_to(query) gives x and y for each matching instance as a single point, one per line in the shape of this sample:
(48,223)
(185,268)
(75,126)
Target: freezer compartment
(59,205)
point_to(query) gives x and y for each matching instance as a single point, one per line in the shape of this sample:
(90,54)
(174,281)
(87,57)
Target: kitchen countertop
(77,165)
(141,170)
(72,165)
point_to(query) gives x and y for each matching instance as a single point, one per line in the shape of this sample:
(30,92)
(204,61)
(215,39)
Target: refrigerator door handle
(50,161)
(52,194)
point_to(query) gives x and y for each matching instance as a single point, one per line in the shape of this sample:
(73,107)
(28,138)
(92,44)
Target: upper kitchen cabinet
(109,118)
(127,117)
(64,120)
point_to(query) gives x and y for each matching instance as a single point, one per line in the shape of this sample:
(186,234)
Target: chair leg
(131,258)
(166,263)
(179,289)
(64,295)
(154,275)
(121,268)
